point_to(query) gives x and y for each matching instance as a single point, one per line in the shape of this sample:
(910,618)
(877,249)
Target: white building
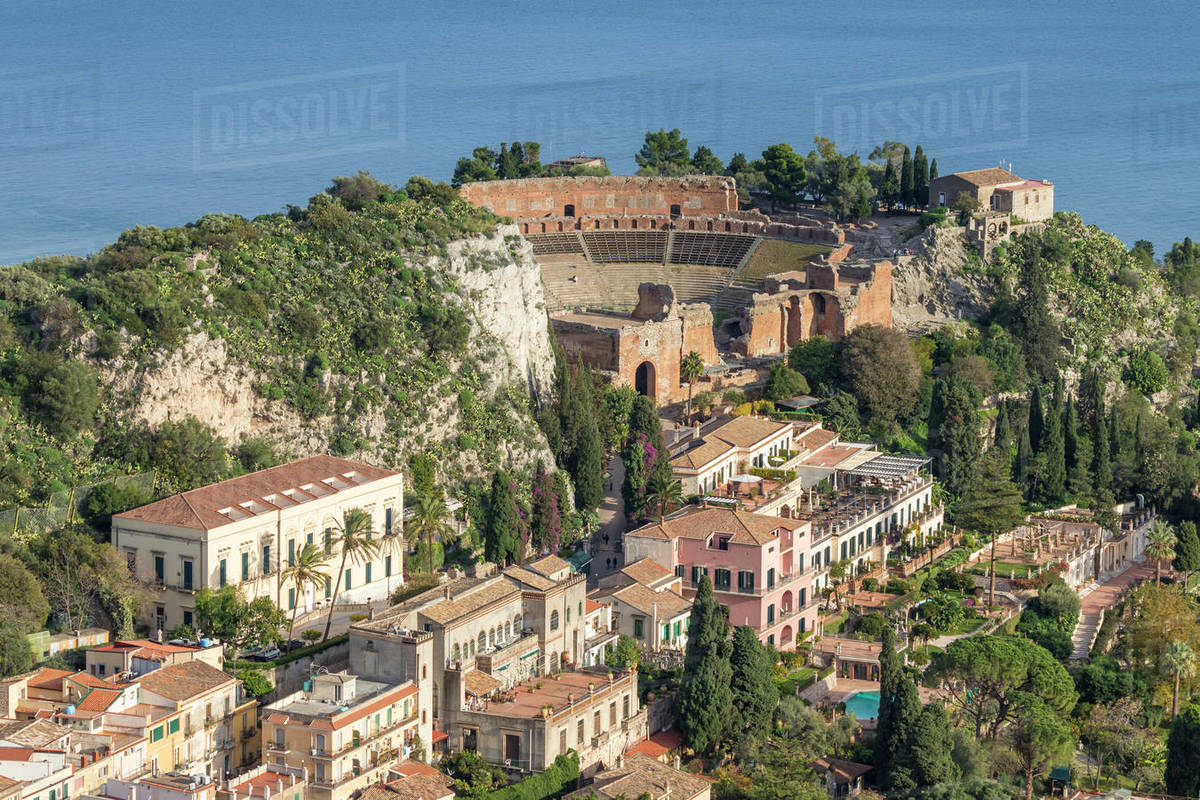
(241,531)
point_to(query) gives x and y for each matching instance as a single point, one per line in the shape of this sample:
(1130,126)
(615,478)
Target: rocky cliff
(939,283)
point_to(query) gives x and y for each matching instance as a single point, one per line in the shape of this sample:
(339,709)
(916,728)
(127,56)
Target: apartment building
(647,604)
(265,782)
(139,656)
(241,531)
(720,450)
(592,711)
(755,562)
(343,731)
(40,774)
(599,632)
(638,775)
(158,787)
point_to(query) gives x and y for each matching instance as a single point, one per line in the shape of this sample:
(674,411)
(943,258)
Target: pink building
(756,564)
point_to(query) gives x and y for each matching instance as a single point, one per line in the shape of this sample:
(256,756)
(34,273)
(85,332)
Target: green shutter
(173,726)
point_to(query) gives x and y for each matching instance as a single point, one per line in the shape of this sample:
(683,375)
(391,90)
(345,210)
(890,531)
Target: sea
(120,113)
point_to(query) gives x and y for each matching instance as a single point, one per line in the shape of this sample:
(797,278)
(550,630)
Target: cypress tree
(1182,774)
(1024,459)
(1003,436)
(705,699)
(1102,474)
(1187,548)
(545,521)
(1079,478)
(1054,477)
(889,190)
(587,466)
(889,682)
(502,534)
(633,488)
(906,711)
(906,178)
(920,177)
(931,748)
(954,432)
(754,692)
(1037,419)
(1071,434)
(933,173)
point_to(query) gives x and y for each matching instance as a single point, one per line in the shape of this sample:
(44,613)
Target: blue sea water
(121,113)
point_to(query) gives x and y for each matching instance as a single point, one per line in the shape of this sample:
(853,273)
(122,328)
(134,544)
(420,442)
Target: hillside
(373,323)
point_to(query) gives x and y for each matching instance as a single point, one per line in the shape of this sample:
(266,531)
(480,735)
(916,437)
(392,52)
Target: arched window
(491,638)
(482,641)
(455,653)
(554,620)
(507,630)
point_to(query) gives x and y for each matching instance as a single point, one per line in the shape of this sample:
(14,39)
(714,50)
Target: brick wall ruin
(614,195)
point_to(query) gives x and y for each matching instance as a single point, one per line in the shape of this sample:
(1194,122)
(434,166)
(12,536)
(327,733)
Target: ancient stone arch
(645,379)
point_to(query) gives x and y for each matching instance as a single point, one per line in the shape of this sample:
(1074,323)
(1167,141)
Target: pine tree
(705,701)
(920,177)
(754,692)
(933,173)
(502,534)
(1037,419)
(907,179)
(931,748)
(587,466)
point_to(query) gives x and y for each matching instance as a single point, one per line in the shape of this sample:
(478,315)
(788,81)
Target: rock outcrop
(936,285)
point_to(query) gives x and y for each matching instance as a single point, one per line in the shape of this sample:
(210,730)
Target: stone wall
(615,195)
(823,233)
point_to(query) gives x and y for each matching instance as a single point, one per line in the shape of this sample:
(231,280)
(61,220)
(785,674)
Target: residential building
(139,656)
(996,190)
(344,731)
(637,775)
(727,448)
(50,645)
(42,774)
(647,604)
(240,532)
(265,782)
(599,632)
(158,787)
(592,711)
(842,778)
(519,623)
(754,561)
(412,780)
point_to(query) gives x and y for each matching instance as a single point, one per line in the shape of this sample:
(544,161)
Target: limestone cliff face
(936,285)
(500,289)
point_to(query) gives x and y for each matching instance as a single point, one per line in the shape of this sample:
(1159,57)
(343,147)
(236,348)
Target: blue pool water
(864,705)
(141,112)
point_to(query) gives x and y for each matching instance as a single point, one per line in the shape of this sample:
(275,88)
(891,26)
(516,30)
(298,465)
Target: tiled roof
(702,455)
(88,679)
(408,768)
(747,431)
(31,733)
(987,177)
(450,610)
(815,438)
(48,678)
(261,492)
(479,683)
(423,787)
(642,775)
(647,601)
(548,566)
(98,700)
(531,579)
(16,753)
(591,606)
(184,681)
(843,771)
(647,571)
(700,523)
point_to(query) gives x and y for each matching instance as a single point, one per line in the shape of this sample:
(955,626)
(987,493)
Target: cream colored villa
(241,531)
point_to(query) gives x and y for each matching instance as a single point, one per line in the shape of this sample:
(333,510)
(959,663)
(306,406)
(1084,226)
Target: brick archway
(645,379)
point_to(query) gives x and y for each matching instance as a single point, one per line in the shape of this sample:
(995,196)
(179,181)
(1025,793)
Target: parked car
(269,653)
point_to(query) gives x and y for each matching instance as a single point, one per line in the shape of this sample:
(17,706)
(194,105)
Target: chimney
(158,635)
(447,592)
(696,429)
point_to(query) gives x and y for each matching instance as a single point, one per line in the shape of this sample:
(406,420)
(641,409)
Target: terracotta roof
(9,786)
(831,456)
(98,700)
(987,177)
(184,681)
(843,771)
(643,775)
(640,598)
(267,490)
(647,571)
(747,431)
(702,455)
(649,748)
(16,753)
(479,683)
(532,579)
(32,733)
(408,768)
(153,649)
(591,606)
(700,523)
(421,787)
(486,595)
(88,679)
(48,678)
(815,438)
(550,565)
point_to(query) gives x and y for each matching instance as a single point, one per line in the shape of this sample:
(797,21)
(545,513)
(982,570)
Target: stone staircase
(1085,635)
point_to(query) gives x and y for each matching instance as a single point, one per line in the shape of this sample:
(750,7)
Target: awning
(742,477)
(893,467)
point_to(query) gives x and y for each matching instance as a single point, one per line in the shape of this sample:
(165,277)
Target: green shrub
(1147,372)
(254,681)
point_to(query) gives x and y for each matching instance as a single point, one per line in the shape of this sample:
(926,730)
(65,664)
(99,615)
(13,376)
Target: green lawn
(777,255)
(834,627)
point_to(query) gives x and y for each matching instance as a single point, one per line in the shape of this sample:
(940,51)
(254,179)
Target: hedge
(562,776)
(287,658)
(784,475)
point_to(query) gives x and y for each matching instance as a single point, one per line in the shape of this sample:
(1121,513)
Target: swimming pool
(865,705)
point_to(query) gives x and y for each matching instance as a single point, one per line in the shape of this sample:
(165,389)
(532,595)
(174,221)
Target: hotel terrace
(240,531)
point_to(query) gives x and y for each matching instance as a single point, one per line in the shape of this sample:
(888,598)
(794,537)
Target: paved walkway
(1101,598)
(606,541)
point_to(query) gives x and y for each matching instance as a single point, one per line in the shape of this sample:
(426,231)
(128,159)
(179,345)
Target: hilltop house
(240,532)
(996,190)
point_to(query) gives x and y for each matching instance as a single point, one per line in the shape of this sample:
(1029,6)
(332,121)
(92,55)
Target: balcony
(363,741)
(279,747)
(780,582)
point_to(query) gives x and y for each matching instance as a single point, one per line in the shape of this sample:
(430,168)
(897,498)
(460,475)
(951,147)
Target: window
(131,559)
(697,572)
(266,558)
(308,537)
(612,713)
(291,598)
(348,579)
(291,552)
(771,578)
(596,723)
(745,581)
(679,568)
(799,563)
(173,726)
(579,732)
(187,575)
(328,587)
(245,566)
(801,601)
(159,568)
(387,567)
(387,520)
(482,641)
(367,573)
(721,579)
(637,629)
(553,620)
(770,613)
(568,615)
(187,618)
(328,540)
(156,734)
(666,632)
(625,708)
(224,570)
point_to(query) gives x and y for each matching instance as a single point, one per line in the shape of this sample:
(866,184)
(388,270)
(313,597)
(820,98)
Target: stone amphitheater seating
(631,246)
(712,249)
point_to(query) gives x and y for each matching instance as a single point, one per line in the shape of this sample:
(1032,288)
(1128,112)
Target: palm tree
(837,574)
(1160,545)
(430,519)
(690,369)
(354,539)
(661,490)
(308,569)
(1182,661)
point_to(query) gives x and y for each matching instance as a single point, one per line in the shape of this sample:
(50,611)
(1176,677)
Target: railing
(328,752)
(780,582)
(278,747)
